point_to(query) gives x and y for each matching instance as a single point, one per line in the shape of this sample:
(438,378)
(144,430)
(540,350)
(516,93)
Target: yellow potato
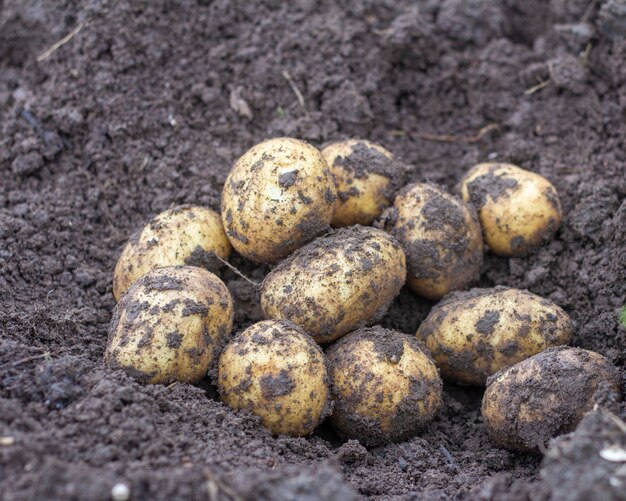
(276,371)
(185,235)
(336,283)
(518,209)
(440,236)
(170,325)
(366,177)
(278,196)
(474,334)
(384,386)
(545,396)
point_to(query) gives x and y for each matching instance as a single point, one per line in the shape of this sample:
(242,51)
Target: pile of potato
(344,235)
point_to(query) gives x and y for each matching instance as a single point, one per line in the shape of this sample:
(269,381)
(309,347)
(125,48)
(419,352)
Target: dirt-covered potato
(475,333)
(336,283)
(546,395)
(366,177)
(441,237)
(278,196)
(276,371)
(384,386)
(185,235)
(170,325)
(517,209)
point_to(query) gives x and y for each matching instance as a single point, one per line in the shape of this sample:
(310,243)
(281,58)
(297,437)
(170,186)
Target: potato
(276,371)
(170,325)
(546,395)
(440,236)
(476,333)
(278,196)
(366,177)
(518,210)
(185,235)
(336,283)
(384,386)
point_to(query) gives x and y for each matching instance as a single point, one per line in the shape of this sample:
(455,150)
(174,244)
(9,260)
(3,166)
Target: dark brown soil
(147,107)
(579,465)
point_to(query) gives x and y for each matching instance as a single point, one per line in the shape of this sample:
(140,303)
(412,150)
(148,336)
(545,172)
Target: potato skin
(440,236)
(475,333)
(384,385)
(336,283)
(545,395)
(170,325)
(518,209)
(184,235)
(278,196)
(366,177)
(276,371)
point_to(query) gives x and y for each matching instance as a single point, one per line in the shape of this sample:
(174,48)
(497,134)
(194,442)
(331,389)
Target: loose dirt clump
(590,460)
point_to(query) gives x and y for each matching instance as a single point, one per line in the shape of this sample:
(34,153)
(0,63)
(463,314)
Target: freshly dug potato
(366,177)
(170,325)
(546,395)
(518,209)
(336,283)
(475,333)
(276,371)
(185,235)
(384,386)
(440,236)
(278,196)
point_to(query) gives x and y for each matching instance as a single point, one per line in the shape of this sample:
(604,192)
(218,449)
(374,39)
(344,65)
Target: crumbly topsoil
(148,105)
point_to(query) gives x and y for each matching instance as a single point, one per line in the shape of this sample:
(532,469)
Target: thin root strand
(295,89)
(235,270)
(30,359)
(445,138)
(47,53)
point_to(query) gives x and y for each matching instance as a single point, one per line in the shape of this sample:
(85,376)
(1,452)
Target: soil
(581,464)
(148,105)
